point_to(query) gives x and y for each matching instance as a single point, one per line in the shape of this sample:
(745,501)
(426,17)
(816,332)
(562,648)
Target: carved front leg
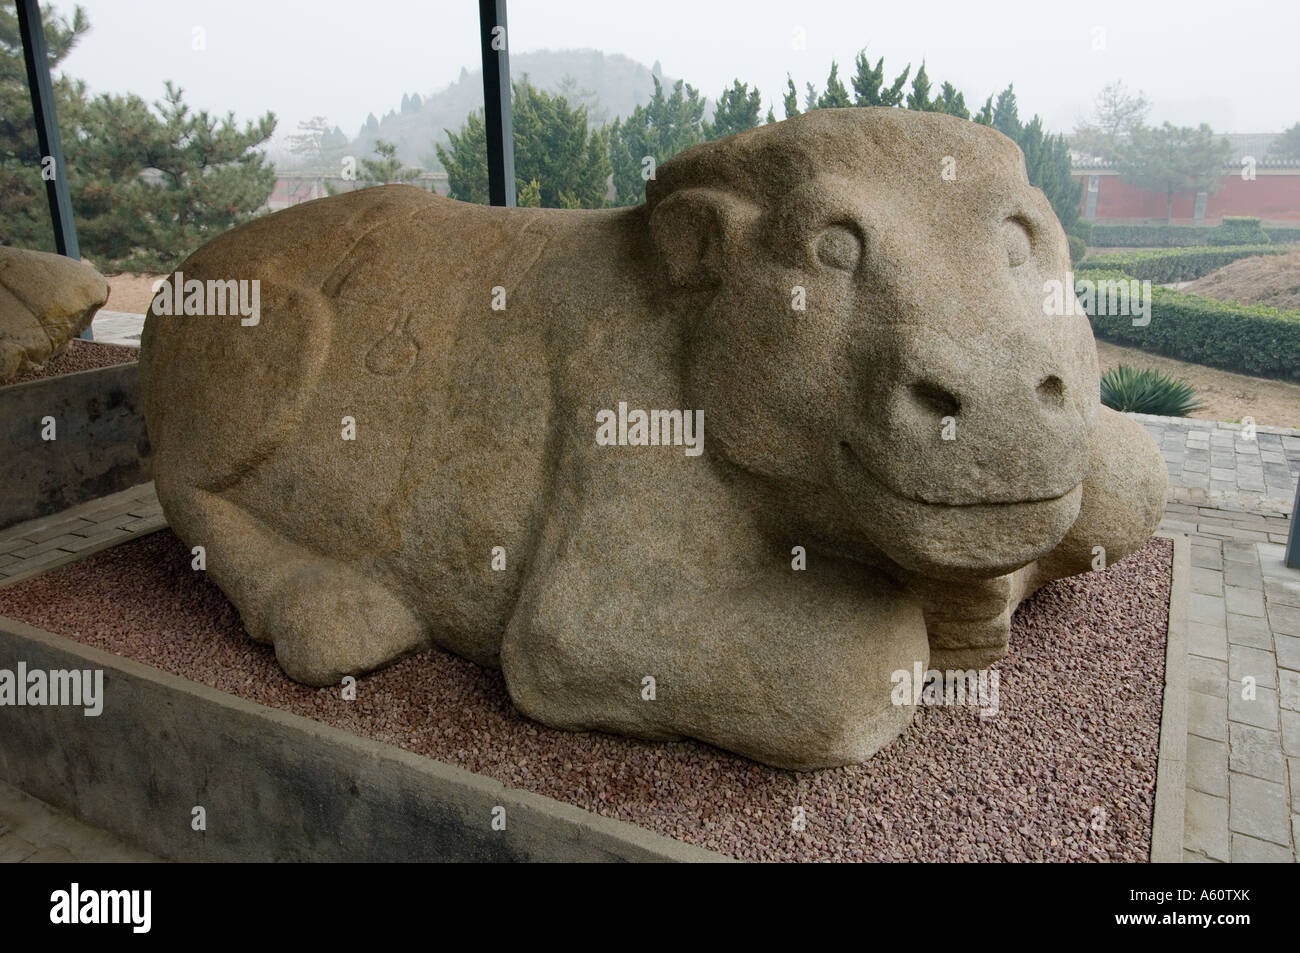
(712,636)
(1123,501)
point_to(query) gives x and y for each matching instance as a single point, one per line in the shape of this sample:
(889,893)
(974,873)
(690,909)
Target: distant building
(294,188)
(1252,184)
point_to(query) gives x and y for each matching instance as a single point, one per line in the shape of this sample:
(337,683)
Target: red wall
(1273,198)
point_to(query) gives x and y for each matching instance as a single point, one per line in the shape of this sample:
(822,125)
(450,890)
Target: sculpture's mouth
(944,539)
(850,460)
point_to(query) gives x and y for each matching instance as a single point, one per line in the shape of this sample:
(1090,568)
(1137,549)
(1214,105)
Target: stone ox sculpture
(928,436)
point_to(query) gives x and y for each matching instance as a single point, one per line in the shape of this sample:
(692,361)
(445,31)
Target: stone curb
(102,445)
(1235,502)
(275,786)
(1197,424)
(1169,814)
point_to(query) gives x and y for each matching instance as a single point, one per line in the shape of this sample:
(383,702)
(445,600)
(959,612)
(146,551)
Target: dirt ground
(1272,280)
(130,293)
(1226,396)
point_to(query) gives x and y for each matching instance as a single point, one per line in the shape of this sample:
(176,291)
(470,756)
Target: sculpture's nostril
(938,400)
(1051,390)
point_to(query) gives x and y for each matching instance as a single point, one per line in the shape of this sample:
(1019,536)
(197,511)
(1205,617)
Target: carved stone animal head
(921,401)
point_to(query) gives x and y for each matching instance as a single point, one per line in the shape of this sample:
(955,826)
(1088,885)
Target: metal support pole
(1292,557)
(496,101)
(36,55)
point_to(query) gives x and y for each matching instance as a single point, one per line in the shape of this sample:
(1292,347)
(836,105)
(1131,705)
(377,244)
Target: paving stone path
(39,544)
(1229,493)
(1231,496)
(117,327)
(1222,464)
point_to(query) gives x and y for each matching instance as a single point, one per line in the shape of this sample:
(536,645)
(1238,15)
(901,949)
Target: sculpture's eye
(839,247)
(1015,238)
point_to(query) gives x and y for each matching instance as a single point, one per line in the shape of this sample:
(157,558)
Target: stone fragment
(46,300)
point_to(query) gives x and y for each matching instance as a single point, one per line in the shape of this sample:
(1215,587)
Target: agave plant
(1145,391)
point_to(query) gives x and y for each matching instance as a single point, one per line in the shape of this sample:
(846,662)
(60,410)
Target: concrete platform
(193,774)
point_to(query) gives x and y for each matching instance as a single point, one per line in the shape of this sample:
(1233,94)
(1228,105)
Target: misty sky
(1231,65)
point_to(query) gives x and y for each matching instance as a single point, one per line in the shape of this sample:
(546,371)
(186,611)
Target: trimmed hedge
(1175,264)
(1149,236)
(1235,230)
(1238,231)
(1248,339)
(1078,248)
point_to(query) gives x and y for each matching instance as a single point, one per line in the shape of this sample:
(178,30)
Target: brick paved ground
(1231,496)
(117,327)
(1215,464)
(34,546)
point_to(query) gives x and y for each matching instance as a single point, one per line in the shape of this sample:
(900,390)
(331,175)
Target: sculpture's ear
(692,231)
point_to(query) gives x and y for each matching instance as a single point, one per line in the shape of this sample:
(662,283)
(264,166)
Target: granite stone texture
(484,429)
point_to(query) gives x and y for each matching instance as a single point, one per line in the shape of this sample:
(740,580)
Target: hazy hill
(609,85)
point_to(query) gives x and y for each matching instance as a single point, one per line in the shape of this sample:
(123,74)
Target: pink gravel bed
(82,356)
(1065,771)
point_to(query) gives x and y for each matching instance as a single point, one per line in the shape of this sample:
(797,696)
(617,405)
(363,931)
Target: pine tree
(1006,117)
(387,169)
(659,129)
(24,209)
(209,178)
(148,186)
(836,96)
(809,97)
(465,159)
(919,97)
(952,102)
(791,98)
(1047,158)
(737,111)
(559,161)
(1116,114)
(555,146)
(866,81)
(894,95)
(309,140)
(1287,145)
(1047,162)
